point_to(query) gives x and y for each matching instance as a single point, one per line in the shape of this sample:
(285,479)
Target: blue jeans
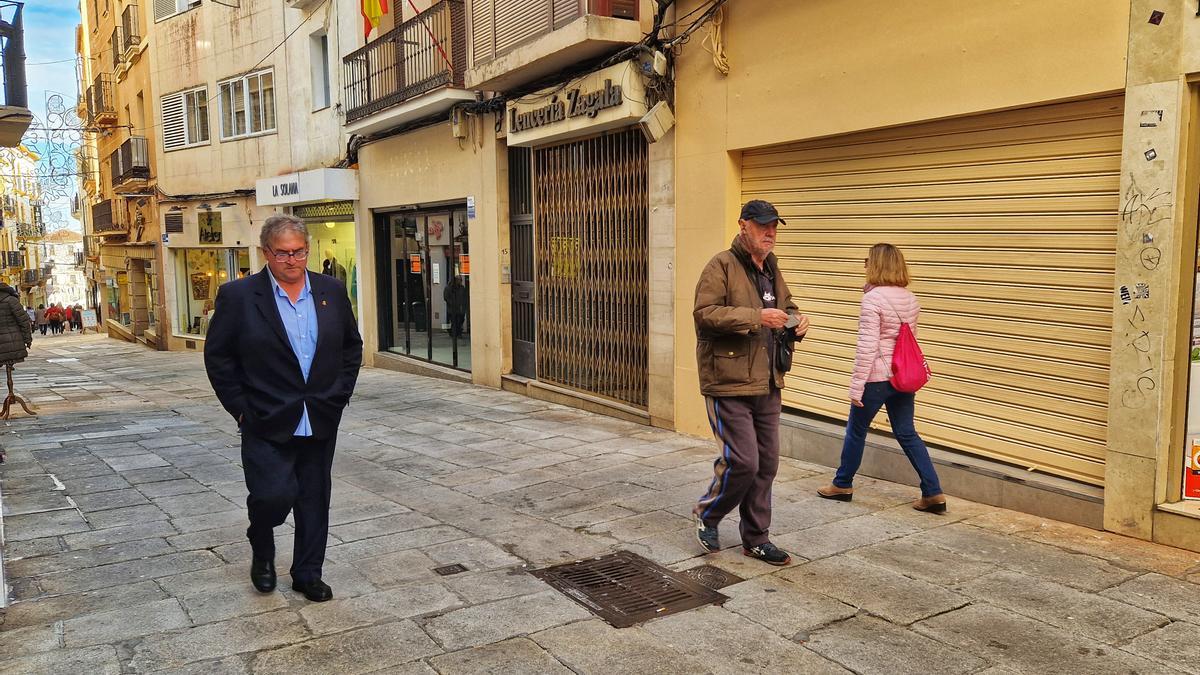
(900,414)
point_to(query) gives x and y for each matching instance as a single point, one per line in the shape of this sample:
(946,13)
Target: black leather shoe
(315,590)
(262,574)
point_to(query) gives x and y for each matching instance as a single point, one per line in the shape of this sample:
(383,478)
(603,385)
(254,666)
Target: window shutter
(165,8)
(174,122)
(483,47)
(173,222)
(519,20)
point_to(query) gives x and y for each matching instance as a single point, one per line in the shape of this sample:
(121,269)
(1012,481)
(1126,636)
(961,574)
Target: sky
(50,69)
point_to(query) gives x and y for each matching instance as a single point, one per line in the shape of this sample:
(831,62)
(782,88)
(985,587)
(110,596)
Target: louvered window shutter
(174,122)
(165,8)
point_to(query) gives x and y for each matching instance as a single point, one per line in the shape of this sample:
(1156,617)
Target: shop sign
(209,223)
(304,187)
(89,318)
(464,265)
(607,99)
(414,263)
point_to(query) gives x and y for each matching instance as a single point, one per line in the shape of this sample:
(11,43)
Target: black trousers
(295,477)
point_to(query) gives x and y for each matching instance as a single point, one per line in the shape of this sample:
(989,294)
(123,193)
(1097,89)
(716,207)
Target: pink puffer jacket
(883,309)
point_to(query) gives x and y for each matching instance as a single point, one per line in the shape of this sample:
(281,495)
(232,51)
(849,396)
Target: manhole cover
(450,569)
(624,588)
(712,577)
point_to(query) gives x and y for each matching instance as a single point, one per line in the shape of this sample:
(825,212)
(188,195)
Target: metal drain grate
(624,588)
(712,576)
(450,569)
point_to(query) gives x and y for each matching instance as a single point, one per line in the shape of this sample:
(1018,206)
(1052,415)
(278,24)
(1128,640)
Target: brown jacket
(731,352)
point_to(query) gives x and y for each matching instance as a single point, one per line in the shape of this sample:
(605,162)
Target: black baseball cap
(761,212)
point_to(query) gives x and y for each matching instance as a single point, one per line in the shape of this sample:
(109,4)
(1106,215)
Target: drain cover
(712,577)
(624,588)
(450,569)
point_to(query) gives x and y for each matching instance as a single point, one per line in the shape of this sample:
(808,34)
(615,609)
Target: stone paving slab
(144,569)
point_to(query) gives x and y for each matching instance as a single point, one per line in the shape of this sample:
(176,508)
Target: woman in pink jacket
(886,304)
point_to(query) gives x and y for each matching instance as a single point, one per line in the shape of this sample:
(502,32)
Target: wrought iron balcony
(130,162)
(422,54)
(31,231)
(108,218)
(102,109)
(31,277)
(14,111)
(131,37)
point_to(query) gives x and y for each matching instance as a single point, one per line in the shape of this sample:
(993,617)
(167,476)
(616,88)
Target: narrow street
(124,548)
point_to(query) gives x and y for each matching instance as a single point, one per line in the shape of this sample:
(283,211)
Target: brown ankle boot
(832,491)
(931,504)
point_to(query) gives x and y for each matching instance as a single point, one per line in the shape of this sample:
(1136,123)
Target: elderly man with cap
(743,309)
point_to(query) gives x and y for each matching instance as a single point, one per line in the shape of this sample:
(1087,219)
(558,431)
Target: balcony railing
(108,217)
(424,53)
(117,45)
(130,30)
(131,161)
(11,259)
(101,105)
(500,26)
(30,231)
(31,277)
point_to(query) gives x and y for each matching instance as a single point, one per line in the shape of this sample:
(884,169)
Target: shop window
(429,284)
(332,252)
(198,273)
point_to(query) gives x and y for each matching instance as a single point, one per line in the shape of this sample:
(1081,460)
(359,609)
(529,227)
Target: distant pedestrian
(886,304)
(743,309)
(55,316)
(79,317)
(32,315)
(40,318)
(69,317)
(16,332)
(283,353)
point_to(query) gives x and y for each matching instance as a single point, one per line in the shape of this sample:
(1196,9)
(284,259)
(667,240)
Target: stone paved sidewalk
(124,548)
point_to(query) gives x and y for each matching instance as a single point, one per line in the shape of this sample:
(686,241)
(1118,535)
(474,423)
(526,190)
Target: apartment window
(247,105)
(185,119)
(319,56)
(167,8)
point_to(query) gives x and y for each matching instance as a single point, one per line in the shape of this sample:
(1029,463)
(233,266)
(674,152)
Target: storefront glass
(331,246)
(1191,472)
(430,286)
(198,273)
(117,297)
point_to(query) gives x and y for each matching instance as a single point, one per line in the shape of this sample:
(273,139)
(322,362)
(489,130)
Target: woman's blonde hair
(886,266)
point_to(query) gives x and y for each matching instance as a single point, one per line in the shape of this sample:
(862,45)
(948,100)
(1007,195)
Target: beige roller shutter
(519,20)
(1008,221)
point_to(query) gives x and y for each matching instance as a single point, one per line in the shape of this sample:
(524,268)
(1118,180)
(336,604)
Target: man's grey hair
(278,224)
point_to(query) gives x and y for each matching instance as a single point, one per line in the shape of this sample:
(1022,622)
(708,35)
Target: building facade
(248,128)
(22,246)
(508,228)
(119,169)
(64,255)
(1048,215)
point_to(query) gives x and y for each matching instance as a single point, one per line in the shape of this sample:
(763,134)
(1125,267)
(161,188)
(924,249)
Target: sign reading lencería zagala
(606,99)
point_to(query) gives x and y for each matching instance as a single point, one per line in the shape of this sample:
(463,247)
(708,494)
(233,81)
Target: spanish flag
(372,11)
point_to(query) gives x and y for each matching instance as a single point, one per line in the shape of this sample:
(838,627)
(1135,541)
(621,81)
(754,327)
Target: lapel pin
(324,303)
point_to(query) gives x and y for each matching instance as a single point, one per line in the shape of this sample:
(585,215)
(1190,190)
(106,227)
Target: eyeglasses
(282,256)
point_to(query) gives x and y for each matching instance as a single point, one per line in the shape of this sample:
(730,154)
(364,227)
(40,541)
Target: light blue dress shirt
(300,321)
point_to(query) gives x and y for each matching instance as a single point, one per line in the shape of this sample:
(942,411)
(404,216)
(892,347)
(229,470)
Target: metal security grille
(1009,224)
(328,211)
(520,200)
(625,589)
(590,256)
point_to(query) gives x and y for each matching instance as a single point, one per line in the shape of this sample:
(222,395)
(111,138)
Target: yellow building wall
(804,70)
(428,166)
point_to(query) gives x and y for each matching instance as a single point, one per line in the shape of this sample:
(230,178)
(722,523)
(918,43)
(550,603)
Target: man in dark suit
(282,353)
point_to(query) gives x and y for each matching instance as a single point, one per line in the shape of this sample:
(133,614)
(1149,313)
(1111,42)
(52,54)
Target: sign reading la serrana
(578,103)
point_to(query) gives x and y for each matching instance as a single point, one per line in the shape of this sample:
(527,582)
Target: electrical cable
(286,38)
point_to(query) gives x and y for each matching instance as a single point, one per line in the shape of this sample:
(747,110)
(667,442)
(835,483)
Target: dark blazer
(256,375)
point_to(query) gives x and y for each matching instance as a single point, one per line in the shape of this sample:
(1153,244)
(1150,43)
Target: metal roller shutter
(519,20)
(1008,222)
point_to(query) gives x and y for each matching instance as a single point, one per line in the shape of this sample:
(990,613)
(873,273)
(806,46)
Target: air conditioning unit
(620,9)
